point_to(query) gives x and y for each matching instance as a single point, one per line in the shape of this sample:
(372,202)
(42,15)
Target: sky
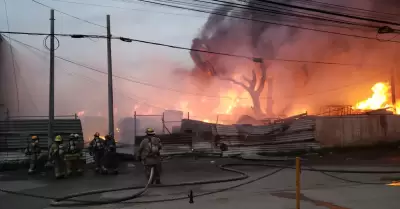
(134,60)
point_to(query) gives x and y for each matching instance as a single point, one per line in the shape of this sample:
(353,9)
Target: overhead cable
(75,17)
(286,13)
(331,13)
(267,22)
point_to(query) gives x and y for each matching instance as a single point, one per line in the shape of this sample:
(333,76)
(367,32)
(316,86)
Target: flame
(379,99)
(231,100)
(394,183)
(228,102)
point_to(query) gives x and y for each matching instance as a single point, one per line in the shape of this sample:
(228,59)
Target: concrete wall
(357,130)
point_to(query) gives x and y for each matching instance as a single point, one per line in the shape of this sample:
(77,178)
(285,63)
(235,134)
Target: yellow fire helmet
(34,137)
(58,138)
(150,131)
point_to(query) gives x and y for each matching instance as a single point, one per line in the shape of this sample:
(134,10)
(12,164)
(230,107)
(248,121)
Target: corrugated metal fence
(15,134)
(241,139)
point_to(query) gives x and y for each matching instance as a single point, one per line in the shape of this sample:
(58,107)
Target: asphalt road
(276,191)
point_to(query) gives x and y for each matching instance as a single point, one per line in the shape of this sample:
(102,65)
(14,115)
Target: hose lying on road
(67,201)
(57,202)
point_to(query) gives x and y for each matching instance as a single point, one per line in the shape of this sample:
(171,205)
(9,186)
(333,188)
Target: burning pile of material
(378,100)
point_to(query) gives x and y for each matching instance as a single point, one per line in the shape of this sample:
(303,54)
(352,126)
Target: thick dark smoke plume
(294,81)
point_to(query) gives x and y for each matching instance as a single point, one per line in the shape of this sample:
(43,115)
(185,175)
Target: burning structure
(299,86)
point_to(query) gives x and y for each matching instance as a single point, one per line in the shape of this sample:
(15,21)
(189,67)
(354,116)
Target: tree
(254,86)
(206,65)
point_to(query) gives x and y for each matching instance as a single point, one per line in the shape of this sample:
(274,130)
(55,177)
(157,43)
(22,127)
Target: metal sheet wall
(357,130)
(15,133)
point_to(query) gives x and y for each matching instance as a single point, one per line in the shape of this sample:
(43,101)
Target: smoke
(299,86)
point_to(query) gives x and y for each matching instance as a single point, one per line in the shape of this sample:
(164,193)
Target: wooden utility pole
(110,81)
(51,83)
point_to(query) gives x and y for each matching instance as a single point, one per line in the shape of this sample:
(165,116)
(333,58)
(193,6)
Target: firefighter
(73,155)
(96,149)
(110,162)
(149,153)
(33,151)
(57,154)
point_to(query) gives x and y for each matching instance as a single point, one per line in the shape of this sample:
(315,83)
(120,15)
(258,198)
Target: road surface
(276,192)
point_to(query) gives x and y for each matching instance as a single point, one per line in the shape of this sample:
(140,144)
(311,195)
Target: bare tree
(254,86)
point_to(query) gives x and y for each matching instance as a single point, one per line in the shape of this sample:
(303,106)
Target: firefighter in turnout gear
(110,162)
(149,153)
(73,155)
(96,149)
(33,151)
(57,153)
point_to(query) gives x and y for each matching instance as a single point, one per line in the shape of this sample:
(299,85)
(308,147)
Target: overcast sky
(137,20)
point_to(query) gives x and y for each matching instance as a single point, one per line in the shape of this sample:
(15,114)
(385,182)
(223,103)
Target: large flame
(229,101)
(379,99)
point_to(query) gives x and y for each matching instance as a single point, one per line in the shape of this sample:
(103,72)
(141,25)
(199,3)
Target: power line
(348,7)
(174,90)
(124,8)
(125,39)
(12,57)
(69,14)
(87,78)
(198,50)
(56,34)
(330,13)
(267,22)
(287,13)
(123,78)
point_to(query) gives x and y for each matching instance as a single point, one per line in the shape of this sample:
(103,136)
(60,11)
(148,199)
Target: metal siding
(357,130)
(14,134)
(241,139)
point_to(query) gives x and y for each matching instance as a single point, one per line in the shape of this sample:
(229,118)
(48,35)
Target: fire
(394,183)
(379,99)
(228,102)
(232,99)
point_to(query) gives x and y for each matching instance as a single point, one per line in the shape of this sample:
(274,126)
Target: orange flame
(379,99)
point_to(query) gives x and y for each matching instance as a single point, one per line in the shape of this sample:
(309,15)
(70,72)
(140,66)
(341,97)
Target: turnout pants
(59,168)
(32,163)
(98,159)
(74,165)
(153,163)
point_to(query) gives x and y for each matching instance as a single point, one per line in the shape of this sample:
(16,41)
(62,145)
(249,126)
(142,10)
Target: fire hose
(242,175)
(68,201)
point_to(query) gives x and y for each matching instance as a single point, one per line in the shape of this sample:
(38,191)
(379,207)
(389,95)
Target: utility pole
(51,86)
(110,81)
